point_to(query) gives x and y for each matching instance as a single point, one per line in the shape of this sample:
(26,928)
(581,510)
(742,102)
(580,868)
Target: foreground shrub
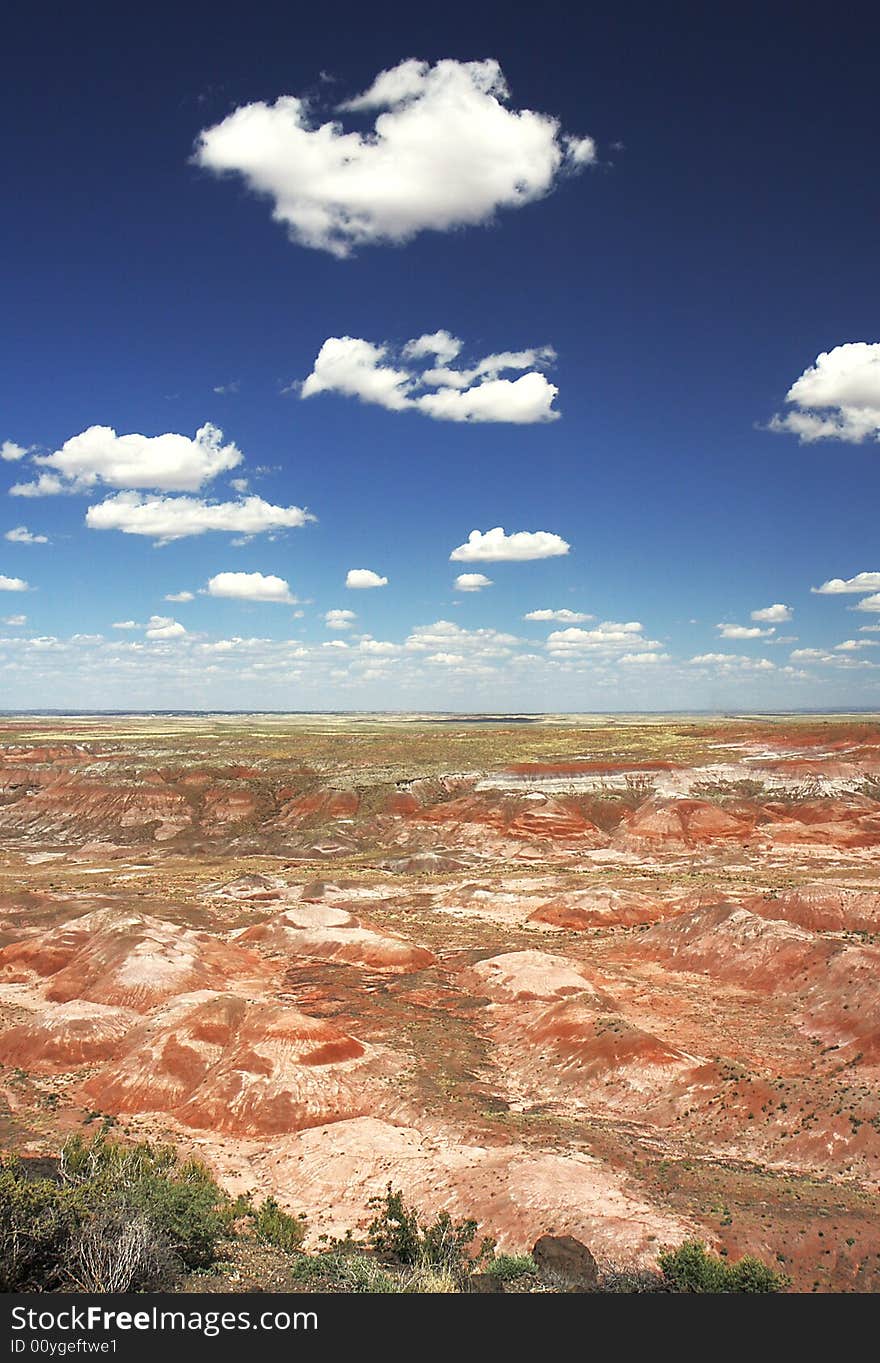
(509,1267)
(692,1268)
(38,1220)
(276,1227)
(179,1199)
(444,1244)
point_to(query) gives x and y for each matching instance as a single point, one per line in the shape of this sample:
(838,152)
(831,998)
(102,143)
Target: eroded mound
(324,932)
(66,1036)
(226,1064)
(129,960)
(526,975)
(579,910)
(731,943)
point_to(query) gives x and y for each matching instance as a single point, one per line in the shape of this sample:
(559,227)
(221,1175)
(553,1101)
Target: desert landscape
(607,977)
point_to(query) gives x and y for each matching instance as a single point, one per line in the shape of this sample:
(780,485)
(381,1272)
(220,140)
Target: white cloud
(472,582)
(251,587)
(869,629)
(21,535)
(14,620)
(608,637)
(438,344)
(166,463)
(444,152)
(837,398)
(47,485)
(180,596)
(734,661)
(163,627)
(359,579)
(127,624)
(561,617)
(172,518)
(13,584)
(743,631)
(376,374)
(445,636)
(862,582)
(647,658)
(339,619)
(773,615)
(495,546)
(11,452)
(851,645)
(869,603)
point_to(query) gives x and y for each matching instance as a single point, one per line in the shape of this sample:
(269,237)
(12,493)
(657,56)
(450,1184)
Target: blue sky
(680,239)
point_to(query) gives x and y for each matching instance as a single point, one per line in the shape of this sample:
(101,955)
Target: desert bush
(508,1267)
(398,1232)
(692,1268)
(628,1278)
(189,1212)
(38,1220)
(117,1252)
(276,1227)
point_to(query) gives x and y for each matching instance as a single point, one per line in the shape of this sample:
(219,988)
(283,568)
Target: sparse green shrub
(277,1227)
(692,1268)
(38,1220)
(189,1212)
(508,1267)
(445,1244)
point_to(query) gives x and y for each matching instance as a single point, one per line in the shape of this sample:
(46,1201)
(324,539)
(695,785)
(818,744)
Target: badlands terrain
(610,978)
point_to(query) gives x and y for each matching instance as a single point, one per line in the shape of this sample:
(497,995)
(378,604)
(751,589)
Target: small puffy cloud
(14,620)
(444,151)
(180,596)
(21,535)
(837,398)
(743,631)
(446,637)
(47,485)
(166,463)
(734,662)
(378,647)
(647,658)
(773,615)
(495,546)
(561,617)
(127,624)
(339,619)
(852,645)
(359,579)
(172,518)
(439,345)
(869,603)
(399,381)
(11,453)
(609,637)
(869,629)
(836,586)
(472,582)
(13,584)
(251,587)
(163,627)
